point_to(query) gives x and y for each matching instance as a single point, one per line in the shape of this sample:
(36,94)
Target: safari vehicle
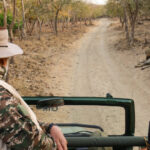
(83,139)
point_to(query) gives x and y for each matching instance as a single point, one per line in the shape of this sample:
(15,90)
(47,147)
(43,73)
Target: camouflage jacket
(2,72)
(17,130)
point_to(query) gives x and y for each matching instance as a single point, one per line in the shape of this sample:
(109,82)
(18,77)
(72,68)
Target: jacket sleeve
(17,130)
(45,127)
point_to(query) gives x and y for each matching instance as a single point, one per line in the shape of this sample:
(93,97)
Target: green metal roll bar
(127,104)
(118,142)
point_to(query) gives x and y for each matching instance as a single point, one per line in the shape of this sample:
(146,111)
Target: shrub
(9,20)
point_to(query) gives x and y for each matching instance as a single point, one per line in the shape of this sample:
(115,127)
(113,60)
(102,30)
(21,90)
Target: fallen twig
(144,64)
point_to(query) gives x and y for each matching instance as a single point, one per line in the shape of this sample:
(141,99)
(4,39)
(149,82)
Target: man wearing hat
(19,128)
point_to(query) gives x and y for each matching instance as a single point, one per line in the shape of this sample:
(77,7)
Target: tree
(133,10)
(127,11)
(5,13)
(23,20)
(12,22)
(57,7)
(145,8)
(27,16)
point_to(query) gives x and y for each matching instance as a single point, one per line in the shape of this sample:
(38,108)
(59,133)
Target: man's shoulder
(6,98)
(4,92)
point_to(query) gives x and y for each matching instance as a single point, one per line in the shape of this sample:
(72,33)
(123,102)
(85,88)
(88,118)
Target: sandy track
(100,69)
(92,66)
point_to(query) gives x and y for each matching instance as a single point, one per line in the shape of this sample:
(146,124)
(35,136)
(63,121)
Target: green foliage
(9,20)
(145,8)
(17,25)
(114,8)
(83,10)
(1,6)
(1,20)
(99,11)
(53,11)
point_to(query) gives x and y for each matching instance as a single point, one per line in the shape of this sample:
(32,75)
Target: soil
(90,64)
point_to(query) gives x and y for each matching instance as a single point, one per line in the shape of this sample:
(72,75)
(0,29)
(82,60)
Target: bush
(17,25)
(9,20)
(1,20)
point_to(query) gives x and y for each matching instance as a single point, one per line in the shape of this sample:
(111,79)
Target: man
(19,128)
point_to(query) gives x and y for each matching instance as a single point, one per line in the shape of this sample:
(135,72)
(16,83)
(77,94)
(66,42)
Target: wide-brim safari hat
(8,49)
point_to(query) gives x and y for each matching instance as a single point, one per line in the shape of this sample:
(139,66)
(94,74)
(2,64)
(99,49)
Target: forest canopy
(23,15)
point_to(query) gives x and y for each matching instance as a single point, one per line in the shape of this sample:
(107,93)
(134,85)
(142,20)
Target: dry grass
(30,73)
(142,36)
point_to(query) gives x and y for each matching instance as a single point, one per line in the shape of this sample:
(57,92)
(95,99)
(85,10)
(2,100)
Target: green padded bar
(119,141)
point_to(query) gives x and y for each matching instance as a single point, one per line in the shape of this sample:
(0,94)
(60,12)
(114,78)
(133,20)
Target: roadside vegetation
(131,13)
(25,17)
(46,31)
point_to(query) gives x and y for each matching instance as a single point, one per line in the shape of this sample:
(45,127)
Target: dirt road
(100,69)
(92,66)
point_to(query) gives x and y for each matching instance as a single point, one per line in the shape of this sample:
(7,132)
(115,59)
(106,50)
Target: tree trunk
(40,27)
(125,20)
(68,21)
(56,21)
(12,23)
(27,26)
(73,20)
(122,21)
(126,25)
(132,32)
(63,24)
(80,22)
(51,24)
(133,17)
(20,37)
(5,14)
(90,21)
(23,20)
(85,21)
(32,27)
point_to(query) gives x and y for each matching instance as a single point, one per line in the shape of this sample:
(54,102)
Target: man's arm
(59,138)
(17,130)
(56,133)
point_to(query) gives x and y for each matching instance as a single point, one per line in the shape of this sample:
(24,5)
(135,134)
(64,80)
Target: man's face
(3,67)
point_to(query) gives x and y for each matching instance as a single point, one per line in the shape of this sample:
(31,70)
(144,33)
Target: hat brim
(9,51)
